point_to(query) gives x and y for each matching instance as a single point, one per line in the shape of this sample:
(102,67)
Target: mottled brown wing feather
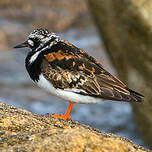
(77,69)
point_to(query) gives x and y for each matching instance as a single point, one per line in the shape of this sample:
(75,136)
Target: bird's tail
(137,97)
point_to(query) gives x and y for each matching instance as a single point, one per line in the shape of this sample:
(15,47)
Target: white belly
(65,94)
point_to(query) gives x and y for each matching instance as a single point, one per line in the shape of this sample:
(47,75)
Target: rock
(21,130)
(126,29)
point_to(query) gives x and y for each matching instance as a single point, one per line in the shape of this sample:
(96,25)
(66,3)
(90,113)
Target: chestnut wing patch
(86,84)
(70,68)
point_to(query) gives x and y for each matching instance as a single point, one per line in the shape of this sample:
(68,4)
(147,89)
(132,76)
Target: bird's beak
(24,44)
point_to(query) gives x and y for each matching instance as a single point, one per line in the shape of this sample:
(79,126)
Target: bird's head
(39,39)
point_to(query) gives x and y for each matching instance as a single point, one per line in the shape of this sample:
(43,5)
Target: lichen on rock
(21,130)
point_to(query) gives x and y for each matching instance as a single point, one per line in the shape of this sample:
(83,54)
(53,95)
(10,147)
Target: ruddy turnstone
(70,73)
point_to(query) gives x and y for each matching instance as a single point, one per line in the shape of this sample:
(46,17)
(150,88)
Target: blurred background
(82,23)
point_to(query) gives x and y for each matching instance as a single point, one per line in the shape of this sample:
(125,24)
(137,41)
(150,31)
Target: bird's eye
(30,42)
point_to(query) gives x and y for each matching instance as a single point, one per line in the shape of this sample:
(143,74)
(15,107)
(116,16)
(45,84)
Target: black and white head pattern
(42,39)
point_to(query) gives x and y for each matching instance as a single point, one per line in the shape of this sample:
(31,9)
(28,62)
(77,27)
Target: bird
(70,73)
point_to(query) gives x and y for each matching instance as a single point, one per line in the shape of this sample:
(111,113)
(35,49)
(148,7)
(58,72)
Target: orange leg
(66,115)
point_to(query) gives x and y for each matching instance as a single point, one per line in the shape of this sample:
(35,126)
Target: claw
(56,116)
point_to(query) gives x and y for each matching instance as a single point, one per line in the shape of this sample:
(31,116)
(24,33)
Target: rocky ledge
(21,130)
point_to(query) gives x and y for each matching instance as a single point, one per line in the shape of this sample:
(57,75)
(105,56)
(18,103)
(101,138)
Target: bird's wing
(72,69)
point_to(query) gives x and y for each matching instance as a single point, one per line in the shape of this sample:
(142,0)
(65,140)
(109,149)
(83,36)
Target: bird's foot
(56,116)
(66,115)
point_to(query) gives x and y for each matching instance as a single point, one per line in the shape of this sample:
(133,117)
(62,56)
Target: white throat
(34,57)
